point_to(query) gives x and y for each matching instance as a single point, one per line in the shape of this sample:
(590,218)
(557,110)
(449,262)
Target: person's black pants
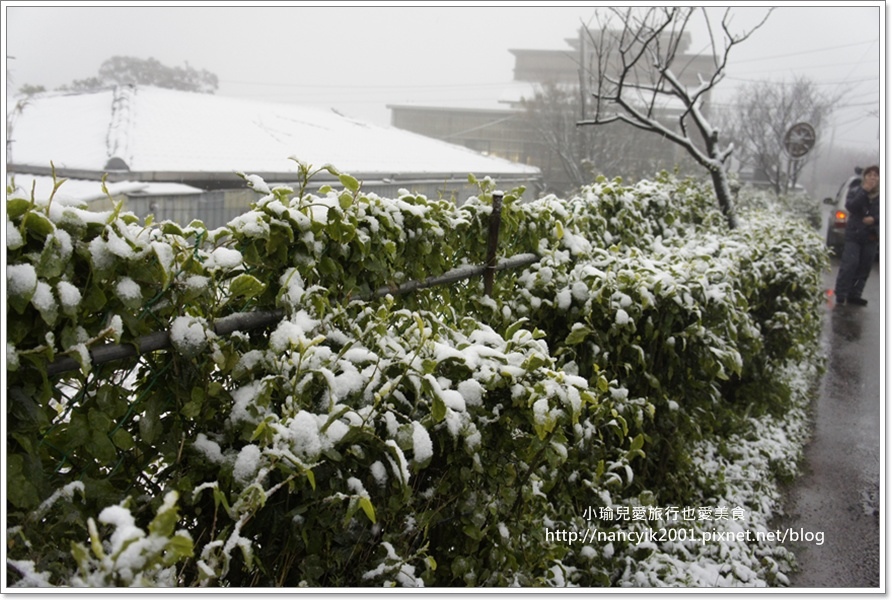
(854,268)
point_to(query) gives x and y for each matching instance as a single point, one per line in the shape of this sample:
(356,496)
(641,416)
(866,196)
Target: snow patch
(247,464)
(422,447)
(188,335)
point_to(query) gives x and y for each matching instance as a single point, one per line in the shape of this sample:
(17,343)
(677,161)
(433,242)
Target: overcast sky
(358,60)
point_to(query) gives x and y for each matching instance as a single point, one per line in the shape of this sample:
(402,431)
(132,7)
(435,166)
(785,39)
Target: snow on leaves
(405,440)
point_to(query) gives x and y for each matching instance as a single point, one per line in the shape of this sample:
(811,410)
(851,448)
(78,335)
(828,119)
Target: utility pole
(583,88)
(582,136)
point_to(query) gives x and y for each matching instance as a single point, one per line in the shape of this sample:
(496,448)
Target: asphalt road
(838,494)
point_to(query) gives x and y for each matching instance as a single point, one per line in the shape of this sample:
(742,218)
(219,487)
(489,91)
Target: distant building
(510,133)
(495,132)
(177,154)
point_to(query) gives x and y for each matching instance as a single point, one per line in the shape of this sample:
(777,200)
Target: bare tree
(639,75)
(763,114)
(576,155)
(552,114)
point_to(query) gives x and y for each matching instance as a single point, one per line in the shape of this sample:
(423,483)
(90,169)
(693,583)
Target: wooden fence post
(492,245)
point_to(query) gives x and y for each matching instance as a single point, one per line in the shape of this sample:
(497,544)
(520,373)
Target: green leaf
(220,498)
(349,182)
(122,439)
(51,264)
(367,508)
(311,478)
(192,409)
(653,381)
(248,555)
(327,266)
(473,532)
(95,540)
(534,362)
(99,421)
(171,228)
(81,555)
(95,299)
(39,224)
(78,430)
(21,298)
(16,207)
(352,507)
(164,522)
(180,546)
(101,447)
(579,334)
(246,286)
(19,489)
(150,422)
(515,327)
(438,408)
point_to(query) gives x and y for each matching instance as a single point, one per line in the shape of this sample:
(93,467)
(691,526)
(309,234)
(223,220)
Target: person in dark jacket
(862,238)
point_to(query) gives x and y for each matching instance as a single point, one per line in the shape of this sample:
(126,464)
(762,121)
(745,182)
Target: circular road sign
(799,140)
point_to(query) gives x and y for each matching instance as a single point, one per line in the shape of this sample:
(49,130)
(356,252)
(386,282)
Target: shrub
(366,439)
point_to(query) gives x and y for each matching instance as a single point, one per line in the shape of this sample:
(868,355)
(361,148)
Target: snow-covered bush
(366,438)
(796,203)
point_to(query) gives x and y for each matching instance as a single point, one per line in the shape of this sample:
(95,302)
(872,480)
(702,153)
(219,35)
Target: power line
(857,119)
(368,87)
(829,48)
(875,103)
(867,80)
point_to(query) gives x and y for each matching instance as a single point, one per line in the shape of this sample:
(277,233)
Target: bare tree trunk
(723,195)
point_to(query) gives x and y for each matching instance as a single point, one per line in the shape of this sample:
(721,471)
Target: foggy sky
(358,60)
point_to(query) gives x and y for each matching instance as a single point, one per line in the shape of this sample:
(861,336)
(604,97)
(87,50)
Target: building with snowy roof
(178,154)
(549,80)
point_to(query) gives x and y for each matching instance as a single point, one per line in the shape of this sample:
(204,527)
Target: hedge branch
(247,321)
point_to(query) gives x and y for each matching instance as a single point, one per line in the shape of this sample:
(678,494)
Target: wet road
(839,491)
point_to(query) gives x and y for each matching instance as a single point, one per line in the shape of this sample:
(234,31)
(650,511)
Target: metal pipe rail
(246,321)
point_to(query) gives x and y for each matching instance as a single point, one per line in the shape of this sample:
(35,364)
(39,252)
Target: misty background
(359,60)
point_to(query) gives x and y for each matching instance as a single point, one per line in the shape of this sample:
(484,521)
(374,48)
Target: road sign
(799,140)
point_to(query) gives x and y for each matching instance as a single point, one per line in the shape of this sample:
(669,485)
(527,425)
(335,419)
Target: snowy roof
(160,131)
(83,190)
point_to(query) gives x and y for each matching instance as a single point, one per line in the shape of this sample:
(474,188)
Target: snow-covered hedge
(651,358)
